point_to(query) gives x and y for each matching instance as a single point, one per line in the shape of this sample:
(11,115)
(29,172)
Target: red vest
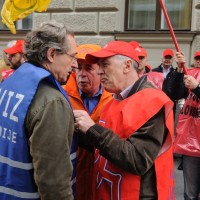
(124,118)
(7,73)
(188,128)
(156,78)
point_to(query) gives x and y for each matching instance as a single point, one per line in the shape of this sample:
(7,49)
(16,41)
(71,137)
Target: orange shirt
(85,159)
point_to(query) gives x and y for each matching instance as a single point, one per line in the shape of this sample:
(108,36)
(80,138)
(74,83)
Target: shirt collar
(97,94)
(167,68)
(124,93)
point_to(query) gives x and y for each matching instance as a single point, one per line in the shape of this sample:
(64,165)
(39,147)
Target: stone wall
(195,45)
(100,21)
(93,21)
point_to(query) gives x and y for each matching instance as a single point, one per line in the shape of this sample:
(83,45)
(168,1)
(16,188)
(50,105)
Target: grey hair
(123,58)
(50,34)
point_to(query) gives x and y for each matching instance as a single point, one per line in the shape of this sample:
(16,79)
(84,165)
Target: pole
(172,32)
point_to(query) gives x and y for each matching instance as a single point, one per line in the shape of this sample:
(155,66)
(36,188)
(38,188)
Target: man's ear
(127,66)
(51,54)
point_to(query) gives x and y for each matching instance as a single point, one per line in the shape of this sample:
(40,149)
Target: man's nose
(100,71)
(9,57)
(74,65)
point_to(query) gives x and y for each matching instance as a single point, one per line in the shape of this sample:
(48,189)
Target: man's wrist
(198,86)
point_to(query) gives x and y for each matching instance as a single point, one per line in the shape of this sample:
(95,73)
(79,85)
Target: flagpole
(172,32)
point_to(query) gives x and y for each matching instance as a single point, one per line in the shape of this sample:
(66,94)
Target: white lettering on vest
(20,98)
(3,95)
(11,95)
(7,134)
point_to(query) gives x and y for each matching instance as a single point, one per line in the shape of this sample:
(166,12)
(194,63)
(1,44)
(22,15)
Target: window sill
(154,36)
(6,35)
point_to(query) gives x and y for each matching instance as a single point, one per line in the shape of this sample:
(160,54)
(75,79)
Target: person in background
(3,67)
(143,67)
(167,69)
(15,56)
(86,93)
(196,62)
(5,57)
(133,140)
(37,120)
(187,141)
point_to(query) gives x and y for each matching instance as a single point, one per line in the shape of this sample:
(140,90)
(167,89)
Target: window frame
(157,22)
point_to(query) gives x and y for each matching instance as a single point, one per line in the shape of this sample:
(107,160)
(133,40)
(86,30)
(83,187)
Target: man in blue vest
(37,147)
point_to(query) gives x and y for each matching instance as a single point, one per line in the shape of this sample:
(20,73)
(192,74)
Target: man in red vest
(133,140)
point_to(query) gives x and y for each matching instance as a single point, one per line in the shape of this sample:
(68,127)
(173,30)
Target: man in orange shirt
(86,93)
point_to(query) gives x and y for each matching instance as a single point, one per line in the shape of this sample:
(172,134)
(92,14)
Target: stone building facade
(100,21)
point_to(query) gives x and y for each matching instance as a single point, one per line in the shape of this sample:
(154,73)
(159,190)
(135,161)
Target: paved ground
(178,176)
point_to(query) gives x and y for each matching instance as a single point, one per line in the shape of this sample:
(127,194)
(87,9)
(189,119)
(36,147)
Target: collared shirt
(91,102)
(166,71)
(123,94)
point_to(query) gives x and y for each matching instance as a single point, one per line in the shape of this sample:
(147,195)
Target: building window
(148,15)
(24,24)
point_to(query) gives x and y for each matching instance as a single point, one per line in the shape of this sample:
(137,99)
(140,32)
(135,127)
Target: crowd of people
(87,122)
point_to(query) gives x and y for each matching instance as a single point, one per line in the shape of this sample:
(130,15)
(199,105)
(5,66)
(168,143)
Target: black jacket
(167,84)
(178,89)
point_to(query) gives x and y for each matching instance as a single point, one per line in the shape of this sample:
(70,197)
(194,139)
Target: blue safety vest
(16,169)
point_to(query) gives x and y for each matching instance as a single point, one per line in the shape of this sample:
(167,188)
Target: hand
(180,59)
(190,82)
(82,120)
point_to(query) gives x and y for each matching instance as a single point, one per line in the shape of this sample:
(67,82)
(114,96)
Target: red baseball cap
(141,51)
(16,48)
(168,52)
(134,44)
(197,54)
(111,49)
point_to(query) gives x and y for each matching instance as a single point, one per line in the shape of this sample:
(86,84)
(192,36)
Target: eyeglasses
(72,56)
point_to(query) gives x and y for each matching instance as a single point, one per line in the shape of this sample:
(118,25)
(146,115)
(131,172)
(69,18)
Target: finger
(77,113)
(76,126)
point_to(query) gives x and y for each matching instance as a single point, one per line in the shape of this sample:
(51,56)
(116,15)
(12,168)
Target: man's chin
(64,82)
(14,67)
